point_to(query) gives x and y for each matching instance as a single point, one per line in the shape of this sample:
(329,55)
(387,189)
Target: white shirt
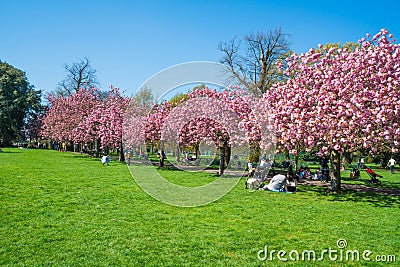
(277,182)
(105,159)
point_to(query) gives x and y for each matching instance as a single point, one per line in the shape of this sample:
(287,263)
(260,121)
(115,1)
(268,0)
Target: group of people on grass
(304,173)
(288,182)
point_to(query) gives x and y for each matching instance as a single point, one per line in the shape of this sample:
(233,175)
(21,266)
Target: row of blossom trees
(88,117)
(335,100)
(227,119)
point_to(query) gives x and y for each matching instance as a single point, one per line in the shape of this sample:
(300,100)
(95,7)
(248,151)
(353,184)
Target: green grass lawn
(63,209)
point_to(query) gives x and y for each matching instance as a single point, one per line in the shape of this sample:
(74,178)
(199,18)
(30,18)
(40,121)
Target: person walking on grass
(105,160)
(392,163)
(128,158)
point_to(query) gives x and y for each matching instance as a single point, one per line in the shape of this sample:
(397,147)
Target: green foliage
(176,99)
(351,46)
(144,97)
(64,209)
(179,97)
(18,100)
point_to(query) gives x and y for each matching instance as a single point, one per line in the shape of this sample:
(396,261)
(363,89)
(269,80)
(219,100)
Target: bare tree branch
(79,75)
(254,65)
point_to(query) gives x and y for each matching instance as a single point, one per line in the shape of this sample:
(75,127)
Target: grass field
(63,209)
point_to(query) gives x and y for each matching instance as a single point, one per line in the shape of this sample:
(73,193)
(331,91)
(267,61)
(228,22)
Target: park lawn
(65,209)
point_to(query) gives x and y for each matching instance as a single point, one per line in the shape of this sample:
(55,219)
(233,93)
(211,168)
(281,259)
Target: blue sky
(129,41)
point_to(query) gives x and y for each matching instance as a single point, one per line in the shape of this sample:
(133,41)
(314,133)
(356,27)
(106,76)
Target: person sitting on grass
(307,173)
(300,173)
(318,175)
(291,183)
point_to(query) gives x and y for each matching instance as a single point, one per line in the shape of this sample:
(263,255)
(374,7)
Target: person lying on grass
(281,183)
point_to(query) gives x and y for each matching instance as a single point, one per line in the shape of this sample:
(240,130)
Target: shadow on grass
(83,156)
(168,167)
(393,185)
(376,199)
(10,150)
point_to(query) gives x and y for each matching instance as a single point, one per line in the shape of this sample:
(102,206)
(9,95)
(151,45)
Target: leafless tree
(254,64)
(79,75)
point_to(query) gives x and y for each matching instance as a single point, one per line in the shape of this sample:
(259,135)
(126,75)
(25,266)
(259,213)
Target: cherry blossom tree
(65,120)
(340,99)
(110,114)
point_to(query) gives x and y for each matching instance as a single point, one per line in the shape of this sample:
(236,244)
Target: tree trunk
(224,157)
(296,162)
(221,160)
(121,154)
(227,156)
(196,150)
(178,154)
(255,152)
(161,155)
(97,147)
(335,172)
(287,154)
